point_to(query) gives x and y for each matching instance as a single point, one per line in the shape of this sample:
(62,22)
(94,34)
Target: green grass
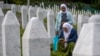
(75,26)
(56,53)
(21,34)
(59,53)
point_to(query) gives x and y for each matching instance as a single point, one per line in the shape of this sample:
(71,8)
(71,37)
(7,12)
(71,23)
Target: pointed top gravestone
(31,12)
(95,19)
(41,14)
(1,16)
(11,35)
(10,19)
(35,39)
(81,20)
(1,4)
(13,8)
(88,43)
(51,24)
(1,12)
(1,19)
(75,19)
(24,15)
(50,12)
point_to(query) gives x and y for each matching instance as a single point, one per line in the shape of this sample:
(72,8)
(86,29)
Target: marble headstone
(13,8)
(11,35)
(81,20)
(18,8)
(1,4)
(41,14)
(1,19)
(35,40)
(31,12)
(88,43)
(24,15)
(51,24)
(75,19)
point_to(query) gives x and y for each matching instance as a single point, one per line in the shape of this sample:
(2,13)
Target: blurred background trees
(81,3)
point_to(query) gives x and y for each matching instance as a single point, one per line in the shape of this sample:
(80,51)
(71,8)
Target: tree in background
(93,3)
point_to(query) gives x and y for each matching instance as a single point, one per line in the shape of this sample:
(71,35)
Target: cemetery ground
(53,53)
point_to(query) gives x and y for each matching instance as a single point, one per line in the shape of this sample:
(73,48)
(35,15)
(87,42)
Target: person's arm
(70,17)
(73,37)
(61,36)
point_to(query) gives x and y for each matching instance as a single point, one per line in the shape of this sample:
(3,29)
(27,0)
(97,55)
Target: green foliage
(56,53)
(21,34)
(94,3)
(75,26)
(96,6)
(45,23)
(5,10)
(53,53)
(21,31)
(63,52)
(17,1)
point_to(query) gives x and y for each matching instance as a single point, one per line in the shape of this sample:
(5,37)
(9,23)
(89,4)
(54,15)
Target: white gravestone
(24,14)
(13,8)
(88,43)
(35,8)
(1,4)
(41,14)
(1,19)
(81,20)
(35,39)
(31,12)
(18,7)
(51,24)
(11,35)
(75,19)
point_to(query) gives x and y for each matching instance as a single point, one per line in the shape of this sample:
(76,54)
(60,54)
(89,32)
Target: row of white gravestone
(13,8)
(81,20)
(25,11)
(27,14)
(41,14)
(88,43)
(75,19)
(35,30)
(55,8)
(74,11)
(1,19)
(32,12)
